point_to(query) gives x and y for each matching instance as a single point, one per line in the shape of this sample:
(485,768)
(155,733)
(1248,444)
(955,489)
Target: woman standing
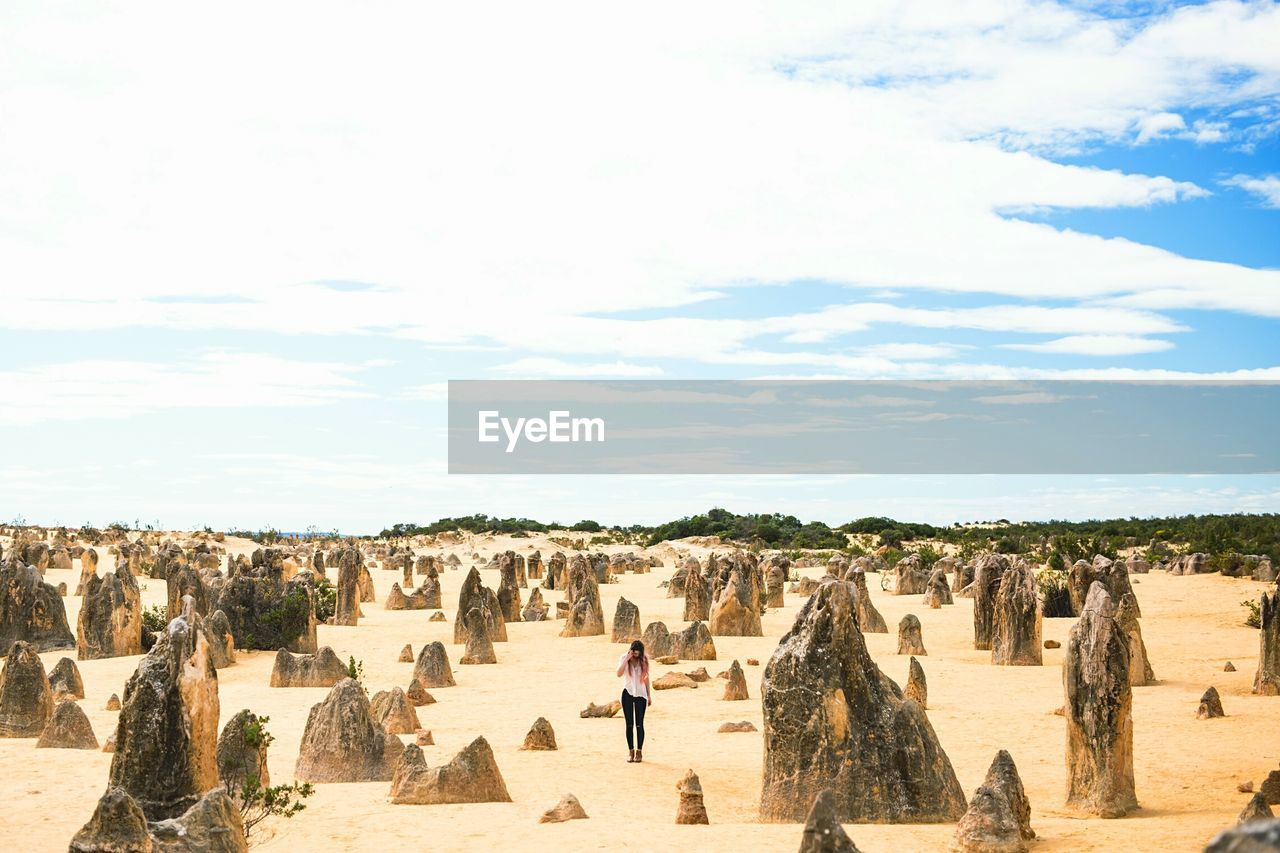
(633,667)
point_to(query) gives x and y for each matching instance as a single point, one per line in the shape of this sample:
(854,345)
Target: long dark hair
(637,646)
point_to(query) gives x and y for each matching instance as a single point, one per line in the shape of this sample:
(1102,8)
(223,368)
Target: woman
(633,666)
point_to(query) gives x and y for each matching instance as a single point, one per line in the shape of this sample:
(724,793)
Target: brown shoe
(639,756)
(631,756)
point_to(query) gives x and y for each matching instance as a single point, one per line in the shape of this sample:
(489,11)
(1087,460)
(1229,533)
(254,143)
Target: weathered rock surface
(999,813)
(118,825)
(68,728)
(535,610)
(1210,705)
(110,616)
(479,648)
(1140,672)
(911,636)
(88,568)
(672,680)
(428,594)
(657,640)
(269,613)
(609,709)
(735,688)
(183,580)
(392,710)
(418,695)
(917,687)
(65,680)
(1016,620)
(472,776)
(822,830)
(222,643)
(541,736)
(585,619)
(697,596)
(1270,787)
(1099,711)
(567,809)
(936,591)
(1262,836)
(167,731)
(988,826)
(508,588)
(396,599)
(626,622)
(910,577)
(693,643)
(1080,576)
(1266,682)
(987,573)
(730,615)
(744,726)
(242,753)
(474,594)
(432,668)
(833,720)
(26,702)
(692,810)
(346,610)
(406,654)
(343,743)
(212,824)
(1256,809)
(323,669)
(775,570)
(869,619)
(31,610)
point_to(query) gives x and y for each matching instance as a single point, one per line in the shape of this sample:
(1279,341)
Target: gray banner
(862,427)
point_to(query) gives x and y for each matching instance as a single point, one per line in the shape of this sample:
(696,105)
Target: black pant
(633,709)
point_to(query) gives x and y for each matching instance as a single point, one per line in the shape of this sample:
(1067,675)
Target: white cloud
(1100,345)
(1265,187)
(117,389)
(1157,125)
(546,368)
(912,351)
(992,318)
(492,207)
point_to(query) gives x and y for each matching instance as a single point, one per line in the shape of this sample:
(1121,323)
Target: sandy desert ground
(1186,769)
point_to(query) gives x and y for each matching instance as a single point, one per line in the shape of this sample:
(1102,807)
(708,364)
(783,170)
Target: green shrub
(256,802)
(155,618)
(326,599)
(892,556)
(1055,598)
(1254,617)
(928,556)
(355,669)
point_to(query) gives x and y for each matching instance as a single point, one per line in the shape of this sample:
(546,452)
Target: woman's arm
(622,663)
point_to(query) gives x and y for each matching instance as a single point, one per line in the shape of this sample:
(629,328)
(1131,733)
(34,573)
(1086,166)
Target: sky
(244,247)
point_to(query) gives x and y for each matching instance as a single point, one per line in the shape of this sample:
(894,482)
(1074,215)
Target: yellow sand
(1186,769)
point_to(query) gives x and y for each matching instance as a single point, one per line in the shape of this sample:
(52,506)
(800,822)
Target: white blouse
(633,678)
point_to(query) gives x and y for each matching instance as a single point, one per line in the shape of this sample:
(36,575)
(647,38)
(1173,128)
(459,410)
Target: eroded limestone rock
(472,776)
(833,720)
